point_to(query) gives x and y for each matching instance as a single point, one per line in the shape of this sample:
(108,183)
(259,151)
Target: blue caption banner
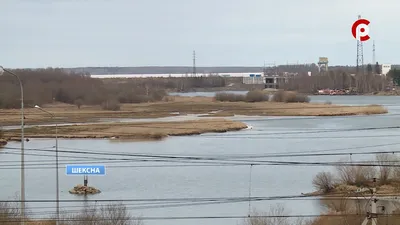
(85,170)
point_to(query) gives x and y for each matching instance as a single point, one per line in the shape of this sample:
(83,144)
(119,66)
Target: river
(127,180)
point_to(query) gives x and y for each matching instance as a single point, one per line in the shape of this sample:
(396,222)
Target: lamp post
(57,188)
(2,71)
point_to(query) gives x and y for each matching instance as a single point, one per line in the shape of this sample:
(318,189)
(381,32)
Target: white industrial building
(250,74)
(385,68)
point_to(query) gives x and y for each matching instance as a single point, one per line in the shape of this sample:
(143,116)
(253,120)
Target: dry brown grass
(183,105)
(143,130)
(111,214)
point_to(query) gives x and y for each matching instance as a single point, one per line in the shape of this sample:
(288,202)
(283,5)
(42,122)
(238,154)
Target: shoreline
(343,190)
(145,131)
(3,142)
(229,89)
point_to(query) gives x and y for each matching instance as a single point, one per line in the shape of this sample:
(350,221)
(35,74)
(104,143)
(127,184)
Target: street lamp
(57,189)
(2,71)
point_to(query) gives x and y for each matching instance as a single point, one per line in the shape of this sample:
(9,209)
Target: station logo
(360,30)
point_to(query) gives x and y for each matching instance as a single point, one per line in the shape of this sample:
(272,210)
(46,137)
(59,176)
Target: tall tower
(194,63)
(360,55)
(373,53)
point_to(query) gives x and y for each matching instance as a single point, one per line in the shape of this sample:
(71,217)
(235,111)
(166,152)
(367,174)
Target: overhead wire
(207,158)
(182,199)
(198,217)
(308,132)
(305,137)
(222,160)
(143,204)
(242,156)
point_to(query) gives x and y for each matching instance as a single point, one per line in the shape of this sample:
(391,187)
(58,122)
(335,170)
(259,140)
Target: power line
(171,205)
(272,154)
(206,217)
(306,137)
(209,158)
(245,198)
(157,202)
(214,158)
(308,132)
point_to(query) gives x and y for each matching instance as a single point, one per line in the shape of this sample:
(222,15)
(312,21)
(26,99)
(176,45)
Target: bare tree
(385,161)
(273,217)
(354,175)
(346,173)
(324,181)
(112,214)
(9,213)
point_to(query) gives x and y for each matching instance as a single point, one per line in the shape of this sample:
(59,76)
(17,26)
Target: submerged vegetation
(262,96)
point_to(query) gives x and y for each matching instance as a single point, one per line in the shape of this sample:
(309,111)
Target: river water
(128,180)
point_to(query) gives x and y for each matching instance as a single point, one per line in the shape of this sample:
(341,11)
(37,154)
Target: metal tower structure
(270,69)
(360,55)
(194,63)
(373,53)
(323,63)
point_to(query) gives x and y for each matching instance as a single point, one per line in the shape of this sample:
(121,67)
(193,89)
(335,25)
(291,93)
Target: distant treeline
(367,83)
(49,85)
(294,68)
(162,70)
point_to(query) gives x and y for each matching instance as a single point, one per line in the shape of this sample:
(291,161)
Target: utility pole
(251,167)
(264,70)
(373,215)
(373,53)
(194,63)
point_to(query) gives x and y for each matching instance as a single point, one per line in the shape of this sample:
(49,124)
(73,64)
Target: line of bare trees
(383,168)
(53,84)
(110,214)
(366,83)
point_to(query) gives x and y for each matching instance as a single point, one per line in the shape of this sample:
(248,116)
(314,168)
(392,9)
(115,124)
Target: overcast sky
(72,33)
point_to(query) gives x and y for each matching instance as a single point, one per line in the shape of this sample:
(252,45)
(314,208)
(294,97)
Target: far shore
(177,105)
(130,131)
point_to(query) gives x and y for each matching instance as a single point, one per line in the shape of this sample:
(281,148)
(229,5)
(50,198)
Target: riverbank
(343,190)
(3,142)
(131,131)
(386,93)
(177,105)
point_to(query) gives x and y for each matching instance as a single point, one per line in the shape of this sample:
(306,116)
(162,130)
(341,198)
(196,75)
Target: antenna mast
(373,53)
(360,55)
(194,63)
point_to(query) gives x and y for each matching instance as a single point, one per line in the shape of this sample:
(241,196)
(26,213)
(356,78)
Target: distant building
(253,78)
(385,68)
(249,74)
(275,81)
